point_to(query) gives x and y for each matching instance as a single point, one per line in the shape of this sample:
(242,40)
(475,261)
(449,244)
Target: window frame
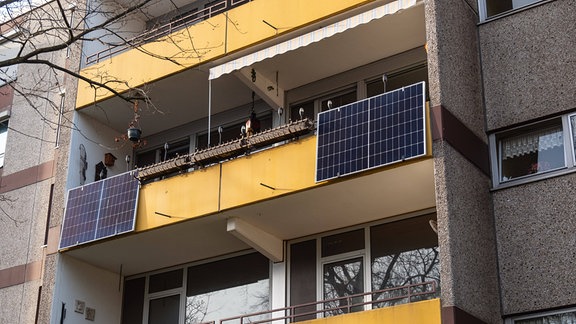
(365,253)
(512,320)
(569,141)
(181,291)
(317,101)
(4,118)
(483,9)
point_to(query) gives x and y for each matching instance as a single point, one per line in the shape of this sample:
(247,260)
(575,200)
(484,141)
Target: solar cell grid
(100,209)
(373,132)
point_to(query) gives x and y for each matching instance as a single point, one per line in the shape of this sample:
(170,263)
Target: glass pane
(133,301)
(341,279)
(164,310)
(3,137)
(227,288)
(342,243)
(398,80)
(533,151)
(404,253)
(398,278)
(339,100)
(573,127)
(494,7)
(565,318)
(307,113)
(165,281)
(229,302)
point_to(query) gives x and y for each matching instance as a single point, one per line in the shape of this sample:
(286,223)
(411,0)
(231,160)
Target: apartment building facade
(309,161)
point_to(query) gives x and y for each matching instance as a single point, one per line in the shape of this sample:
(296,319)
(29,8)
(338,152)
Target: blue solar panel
(101,209)
(377,131)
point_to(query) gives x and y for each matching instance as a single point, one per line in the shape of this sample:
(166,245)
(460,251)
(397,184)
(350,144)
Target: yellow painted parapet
(424,312)
(260,176)
(227,185)
(220,35)
(185,196)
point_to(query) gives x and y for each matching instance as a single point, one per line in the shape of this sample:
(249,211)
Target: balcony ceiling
(183,98)
(340,204)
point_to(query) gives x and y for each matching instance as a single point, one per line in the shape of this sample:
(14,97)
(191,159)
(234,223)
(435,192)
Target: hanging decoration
(134,132)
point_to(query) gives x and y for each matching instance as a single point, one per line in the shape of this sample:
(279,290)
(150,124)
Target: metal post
(209,109)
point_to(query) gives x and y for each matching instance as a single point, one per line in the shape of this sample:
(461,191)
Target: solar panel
(370,133)
(101,209)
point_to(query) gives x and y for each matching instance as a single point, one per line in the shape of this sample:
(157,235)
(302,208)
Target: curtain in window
(532,142)
(564,318)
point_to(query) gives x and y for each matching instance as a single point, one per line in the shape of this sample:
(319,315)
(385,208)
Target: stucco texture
(465,235)
(536,244)
(454,62)
(529,72)
(465,222)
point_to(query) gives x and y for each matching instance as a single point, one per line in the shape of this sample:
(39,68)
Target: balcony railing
(227,150)
(180,22)
(338,306)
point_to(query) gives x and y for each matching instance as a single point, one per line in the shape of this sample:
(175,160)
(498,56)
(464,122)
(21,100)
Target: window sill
(534,178)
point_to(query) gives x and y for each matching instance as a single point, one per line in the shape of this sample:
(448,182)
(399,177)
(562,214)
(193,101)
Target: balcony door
(342,279)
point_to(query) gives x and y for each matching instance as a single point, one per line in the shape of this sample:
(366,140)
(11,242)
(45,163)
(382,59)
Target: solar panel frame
(100,209)
(370,133)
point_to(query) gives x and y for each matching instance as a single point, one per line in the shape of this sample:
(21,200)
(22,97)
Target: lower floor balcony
(415,303)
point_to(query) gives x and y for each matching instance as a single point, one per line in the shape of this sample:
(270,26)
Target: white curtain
(532,142)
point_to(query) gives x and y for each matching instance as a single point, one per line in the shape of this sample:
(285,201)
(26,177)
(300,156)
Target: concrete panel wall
(536,244)
(454,67)
(529,71)
(465,222)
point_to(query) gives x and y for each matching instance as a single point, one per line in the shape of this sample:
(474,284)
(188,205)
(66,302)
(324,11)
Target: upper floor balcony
(274,190)
(197,33)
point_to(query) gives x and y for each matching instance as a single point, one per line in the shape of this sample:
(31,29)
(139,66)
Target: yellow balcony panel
(248,26)
(152,61)
(269,173)
(419,312)
(222,34)
(180,197)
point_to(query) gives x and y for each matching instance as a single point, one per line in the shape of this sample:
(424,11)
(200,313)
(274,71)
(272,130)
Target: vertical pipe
(209,109)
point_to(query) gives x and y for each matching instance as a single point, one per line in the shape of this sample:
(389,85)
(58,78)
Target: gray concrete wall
(465,222)
(529,63)
(536,244)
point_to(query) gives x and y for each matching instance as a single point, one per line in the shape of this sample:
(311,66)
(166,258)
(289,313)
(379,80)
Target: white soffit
(311,37)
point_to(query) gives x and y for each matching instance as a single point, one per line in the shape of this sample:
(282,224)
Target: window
(397,80)
(567,316)
(383,259)
(491,8)
(3,138)
(231,132)
(175,149)
(200,293)
(313,107)
(534,151)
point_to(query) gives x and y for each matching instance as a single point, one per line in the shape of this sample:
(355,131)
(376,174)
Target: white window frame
(513,320)
(569,153)
(4,117)
(516,6)
(322,261)
(181,291)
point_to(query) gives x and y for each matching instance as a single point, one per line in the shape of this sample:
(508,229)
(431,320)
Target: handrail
(289,313)
(226,150)
(166,29)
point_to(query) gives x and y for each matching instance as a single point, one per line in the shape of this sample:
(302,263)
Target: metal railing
(226,150)
(345,305)
(166,29)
